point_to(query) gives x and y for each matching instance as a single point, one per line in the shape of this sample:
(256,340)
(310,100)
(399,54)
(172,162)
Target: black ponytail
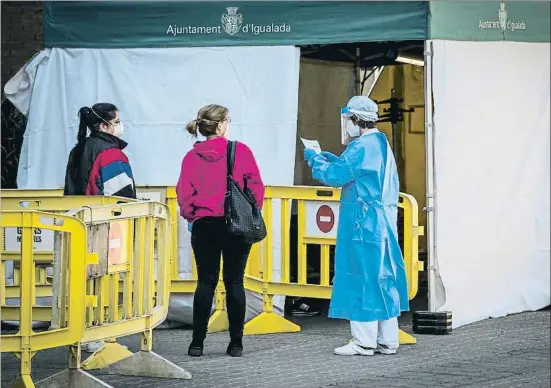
(84,114)
(90,118)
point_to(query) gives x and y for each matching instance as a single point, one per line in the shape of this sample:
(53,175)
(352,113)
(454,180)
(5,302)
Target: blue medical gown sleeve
(360,157)
(329,156)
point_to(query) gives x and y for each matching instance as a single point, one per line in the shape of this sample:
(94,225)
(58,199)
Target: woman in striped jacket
(97,165)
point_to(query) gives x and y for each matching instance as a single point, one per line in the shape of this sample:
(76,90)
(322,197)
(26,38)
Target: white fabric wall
(491,116)
(157,92)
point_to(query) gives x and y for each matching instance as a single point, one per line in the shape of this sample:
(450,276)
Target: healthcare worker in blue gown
(369,288)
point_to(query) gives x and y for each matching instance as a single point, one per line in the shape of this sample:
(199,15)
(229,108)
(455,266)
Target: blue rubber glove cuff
(308,154)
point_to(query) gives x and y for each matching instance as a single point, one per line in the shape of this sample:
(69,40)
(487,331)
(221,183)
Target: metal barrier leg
(406,338)
(110,353)
(269,322)
(24,381)
(74,377)
(146,363)
(219,320)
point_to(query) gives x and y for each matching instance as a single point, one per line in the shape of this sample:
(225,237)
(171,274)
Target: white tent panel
(157,92)
(491,117)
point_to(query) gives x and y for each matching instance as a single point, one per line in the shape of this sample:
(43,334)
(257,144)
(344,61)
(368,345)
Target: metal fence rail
(261,262)
(46,201)
(259,274)
(124,291)
(26,342)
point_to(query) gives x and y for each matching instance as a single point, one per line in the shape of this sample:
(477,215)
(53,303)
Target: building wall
(324,87)
(21,35)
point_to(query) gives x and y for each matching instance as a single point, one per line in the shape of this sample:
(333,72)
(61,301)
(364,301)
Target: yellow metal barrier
(53,200)
(324,200)
(167,194)
(131,284)
(47,201)
(132,244)
(27,342)
(259,269)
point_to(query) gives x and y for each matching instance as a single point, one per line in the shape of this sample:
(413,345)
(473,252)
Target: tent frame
(430,170)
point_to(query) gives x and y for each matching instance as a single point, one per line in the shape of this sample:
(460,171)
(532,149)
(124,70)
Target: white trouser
(369,334)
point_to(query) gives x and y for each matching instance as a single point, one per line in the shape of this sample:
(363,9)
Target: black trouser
(210,239)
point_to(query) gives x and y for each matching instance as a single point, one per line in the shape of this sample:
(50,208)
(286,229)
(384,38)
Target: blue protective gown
(370,279)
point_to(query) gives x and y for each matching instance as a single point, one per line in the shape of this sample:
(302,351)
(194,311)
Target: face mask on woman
(118,129)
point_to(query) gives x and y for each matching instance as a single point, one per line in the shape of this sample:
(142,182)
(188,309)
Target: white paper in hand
(311,144)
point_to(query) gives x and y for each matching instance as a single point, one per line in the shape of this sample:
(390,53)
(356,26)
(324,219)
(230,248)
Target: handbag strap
(230,160)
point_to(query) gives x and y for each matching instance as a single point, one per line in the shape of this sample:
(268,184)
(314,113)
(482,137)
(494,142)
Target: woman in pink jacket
(201,190)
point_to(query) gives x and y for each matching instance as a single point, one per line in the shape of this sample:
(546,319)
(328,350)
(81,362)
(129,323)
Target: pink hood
(211,150)
(202,184)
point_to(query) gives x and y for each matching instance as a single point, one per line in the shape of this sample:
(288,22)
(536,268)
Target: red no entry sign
(325,218)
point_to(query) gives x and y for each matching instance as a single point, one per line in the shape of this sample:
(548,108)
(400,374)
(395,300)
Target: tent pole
(394,126)
(430,179)
(357,74)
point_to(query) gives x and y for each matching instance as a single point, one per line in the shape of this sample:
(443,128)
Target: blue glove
(329,156)
(189,226)
(308,153)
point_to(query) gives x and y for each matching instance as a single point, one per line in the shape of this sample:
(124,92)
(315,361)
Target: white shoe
(383,349)
(92,346)
(353,349)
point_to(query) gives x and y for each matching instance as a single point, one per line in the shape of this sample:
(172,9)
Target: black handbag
(243,217)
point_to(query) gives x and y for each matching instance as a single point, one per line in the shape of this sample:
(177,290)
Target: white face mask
(119,130)
(353,130)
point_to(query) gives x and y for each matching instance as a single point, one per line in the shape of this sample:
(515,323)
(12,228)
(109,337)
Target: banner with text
(131,24)
(517,21)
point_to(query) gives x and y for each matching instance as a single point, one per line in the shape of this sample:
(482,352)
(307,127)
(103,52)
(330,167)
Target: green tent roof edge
(141,24)
(515,21)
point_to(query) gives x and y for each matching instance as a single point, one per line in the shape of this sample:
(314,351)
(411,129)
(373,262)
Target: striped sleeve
(112,176)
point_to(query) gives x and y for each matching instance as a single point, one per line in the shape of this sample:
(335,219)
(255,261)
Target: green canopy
(131,24)
(519,21)
(125,24)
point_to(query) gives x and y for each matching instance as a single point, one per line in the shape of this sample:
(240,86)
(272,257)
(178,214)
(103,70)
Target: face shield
(349,130)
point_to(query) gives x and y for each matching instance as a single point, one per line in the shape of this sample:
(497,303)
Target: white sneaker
(92,346)
(383,349)
(353,349)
